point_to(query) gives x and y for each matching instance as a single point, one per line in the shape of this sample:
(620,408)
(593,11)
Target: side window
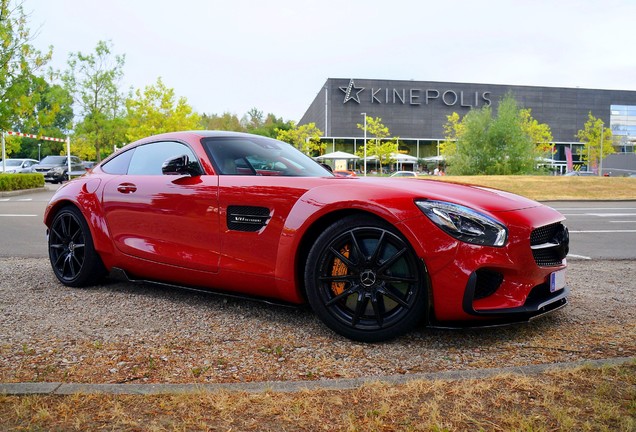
(148,159)
(119,164)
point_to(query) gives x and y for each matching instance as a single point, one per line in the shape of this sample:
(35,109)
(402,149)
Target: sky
(234,55)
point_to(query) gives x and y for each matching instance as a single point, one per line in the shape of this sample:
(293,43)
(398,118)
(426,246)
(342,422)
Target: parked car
(344,173)
(404,174)
(581,174)
(17,166)
(249,215)
(55,168)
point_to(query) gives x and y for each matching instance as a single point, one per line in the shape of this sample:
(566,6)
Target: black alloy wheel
(364,280)
(71,252)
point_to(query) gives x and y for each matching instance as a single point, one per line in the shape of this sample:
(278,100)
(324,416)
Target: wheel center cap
(367,278)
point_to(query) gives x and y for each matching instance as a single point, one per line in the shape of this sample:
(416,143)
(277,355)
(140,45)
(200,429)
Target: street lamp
(365,142)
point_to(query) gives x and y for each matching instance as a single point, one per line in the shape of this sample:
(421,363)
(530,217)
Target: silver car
(16,166)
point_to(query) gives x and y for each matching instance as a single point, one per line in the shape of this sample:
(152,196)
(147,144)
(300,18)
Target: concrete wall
(418,109)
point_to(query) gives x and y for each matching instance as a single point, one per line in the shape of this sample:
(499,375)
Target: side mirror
(180,165)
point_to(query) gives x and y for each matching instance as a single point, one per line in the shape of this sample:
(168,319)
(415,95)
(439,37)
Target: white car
(404,174)
(15,166)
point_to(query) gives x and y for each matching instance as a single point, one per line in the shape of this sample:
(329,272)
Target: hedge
(11,182)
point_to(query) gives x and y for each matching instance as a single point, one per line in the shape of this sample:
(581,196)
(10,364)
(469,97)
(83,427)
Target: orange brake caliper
(339,269)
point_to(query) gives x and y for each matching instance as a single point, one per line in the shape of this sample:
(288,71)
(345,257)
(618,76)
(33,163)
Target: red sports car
(249,215)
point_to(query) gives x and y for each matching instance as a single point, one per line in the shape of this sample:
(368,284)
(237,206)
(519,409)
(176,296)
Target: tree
(94,81)
(591,136)
(378,145)
(305,138)
(51,115)
(507,143)
(225,122)
(271,126)
(155,111)
(253,119)
(19,63)
(539,133)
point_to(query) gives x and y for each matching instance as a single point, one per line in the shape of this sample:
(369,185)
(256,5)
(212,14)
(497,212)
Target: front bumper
(538,302)
(492,285)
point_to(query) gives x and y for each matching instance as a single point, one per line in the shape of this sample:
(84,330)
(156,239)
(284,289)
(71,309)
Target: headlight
(465,224)
(58,170)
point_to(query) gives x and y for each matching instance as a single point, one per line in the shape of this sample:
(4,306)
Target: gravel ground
(120,332)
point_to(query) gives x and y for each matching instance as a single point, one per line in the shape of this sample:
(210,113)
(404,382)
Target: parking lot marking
(18,215)
(611,214)
(603,231)
(583,257)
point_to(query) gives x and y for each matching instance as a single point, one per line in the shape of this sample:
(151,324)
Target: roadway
(598,229)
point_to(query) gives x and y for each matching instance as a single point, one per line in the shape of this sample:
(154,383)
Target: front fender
(324,204)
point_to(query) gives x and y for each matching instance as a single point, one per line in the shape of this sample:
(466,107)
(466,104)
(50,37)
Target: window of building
(623,124)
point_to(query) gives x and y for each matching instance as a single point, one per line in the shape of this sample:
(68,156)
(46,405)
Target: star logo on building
(351,92)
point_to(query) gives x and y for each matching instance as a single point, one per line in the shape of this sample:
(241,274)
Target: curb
(44,388)
(22,191)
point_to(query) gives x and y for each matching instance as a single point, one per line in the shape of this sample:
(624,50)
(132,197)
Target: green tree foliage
(156,110)
(305,138)
(591,136)
(482,143)
(539,133)
(226,122)
(94,81)
(20,88)
(378,143)
(51,115)
(255,122)
(254,119)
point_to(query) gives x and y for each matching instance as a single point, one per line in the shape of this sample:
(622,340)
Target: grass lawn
(554,188)
(594,399)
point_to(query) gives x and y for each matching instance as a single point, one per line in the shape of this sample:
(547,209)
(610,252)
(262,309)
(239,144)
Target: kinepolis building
(416,111)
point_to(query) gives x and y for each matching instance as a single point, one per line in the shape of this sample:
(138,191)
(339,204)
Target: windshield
(13,162)
(260,156)
(53,160)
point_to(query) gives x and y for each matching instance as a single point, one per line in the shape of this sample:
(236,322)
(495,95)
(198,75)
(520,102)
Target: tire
(364,280)
(71,251)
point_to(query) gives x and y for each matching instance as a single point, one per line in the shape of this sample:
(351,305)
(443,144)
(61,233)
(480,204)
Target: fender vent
(247,218)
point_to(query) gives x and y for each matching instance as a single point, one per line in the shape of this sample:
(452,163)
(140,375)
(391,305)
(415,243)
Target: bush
(11,182)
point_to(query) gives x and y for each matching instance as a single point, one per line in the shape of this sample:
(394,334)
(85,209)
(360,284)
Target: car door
(170,219)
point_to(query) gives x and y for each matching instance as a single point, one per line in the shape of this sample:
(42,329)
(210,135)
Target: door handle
(127,188)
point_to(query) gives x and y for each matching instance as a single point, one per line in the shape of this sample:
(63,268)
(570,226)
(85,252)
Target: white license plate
(557,280)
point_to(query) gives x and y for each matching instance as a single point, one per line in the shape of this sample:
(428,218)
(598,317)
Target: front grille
(550,244)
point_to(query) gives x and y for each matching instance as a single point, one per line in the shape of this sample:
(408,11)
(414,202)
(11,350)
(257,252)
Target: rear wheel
(364,280)
(71,251)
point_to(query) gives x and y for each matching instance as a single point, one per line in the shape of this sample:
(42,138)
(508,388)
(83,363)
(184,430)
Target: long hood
(491,200)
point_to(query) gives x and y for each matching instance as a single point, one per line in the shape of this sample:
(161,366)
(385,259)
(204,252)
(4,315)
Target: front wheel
(364,281)
(71,251)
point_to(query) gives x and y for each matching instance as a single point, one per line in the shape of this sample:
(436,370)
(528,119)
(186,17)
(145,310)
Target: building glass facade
(623,124)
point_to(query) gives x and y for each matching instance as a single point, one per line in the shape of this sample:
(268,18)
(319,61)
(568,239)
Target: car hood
(491,200)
